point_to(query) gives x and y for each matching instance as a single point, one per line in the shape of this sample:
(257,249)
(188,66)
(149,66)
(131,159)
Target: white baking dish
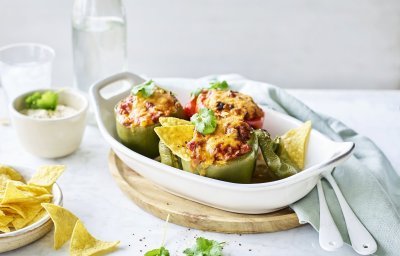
(323,155)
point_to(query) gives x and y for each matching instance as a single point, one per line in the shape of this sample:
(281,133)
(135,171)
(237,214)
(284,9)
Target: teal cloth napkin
(367,180)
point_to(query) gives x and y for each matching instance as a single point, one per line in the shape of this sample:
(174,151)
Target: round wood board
(160,203)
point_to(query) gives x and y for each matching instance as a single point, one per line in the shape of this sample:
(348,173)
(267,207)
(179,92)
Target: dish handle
(95,89)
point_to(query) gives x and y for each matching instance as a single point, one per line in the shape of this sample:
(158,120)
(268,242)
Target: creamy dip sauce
(60,112)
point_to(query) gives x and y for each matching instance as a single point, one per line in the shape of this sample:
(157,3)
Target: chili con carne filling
(136,110)
(229,141)
(227,103)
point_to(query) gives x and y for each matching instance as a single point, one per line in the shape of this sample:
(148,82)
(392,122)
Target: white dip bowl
(51,138)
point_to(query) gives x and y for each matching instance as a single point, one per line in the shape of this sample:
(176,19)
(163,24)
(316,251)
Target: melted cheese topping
(229,141)
(226,103)
(136,110)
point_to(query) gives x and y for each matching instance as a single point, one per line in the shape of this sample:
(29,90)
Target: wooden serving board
(160,203)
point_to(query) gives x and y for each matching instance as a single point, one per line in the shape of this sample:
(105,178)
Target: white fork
(361,240)
(329,235)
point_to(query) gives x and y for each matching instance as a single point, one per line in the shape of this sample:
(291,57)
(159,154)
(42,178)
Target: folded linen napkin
(367,180)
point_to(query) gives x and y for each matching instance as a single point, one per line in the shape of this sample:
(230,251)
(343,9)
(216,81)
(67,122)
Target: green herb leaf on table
(47,100)
(277,160)
(146,89)
(158,252)
(205,247)
(205,121)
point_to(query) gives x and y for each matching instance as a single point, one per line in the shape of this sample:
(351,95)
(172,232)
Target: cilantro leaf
(37,100)
(205,121)
(158,252)
(216,85)
(219,85)
(145,90)
(196,92)
(205,247)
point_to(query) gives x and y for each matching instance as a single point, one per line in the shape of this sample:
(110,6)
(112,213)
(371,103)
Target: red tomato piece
(256,123)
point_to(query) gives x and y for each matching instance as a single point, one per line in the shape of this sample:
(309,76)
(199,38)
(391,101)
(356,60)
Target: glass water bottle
(99,40)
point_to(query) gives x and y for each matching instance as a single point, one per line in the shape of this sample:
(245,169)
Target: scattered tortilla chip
(83,243)
(295,142)
(176,138)
(173,121)
(46,176)
(64,223)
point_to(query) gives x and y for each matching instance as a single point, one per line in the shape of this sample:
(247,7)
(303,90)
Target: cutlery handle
(329,235)
(361,240)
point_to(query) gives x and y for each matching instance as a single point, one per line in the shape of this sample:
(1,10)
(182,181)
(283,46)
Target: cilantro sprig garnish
(158,252)
(219,85)
(145,89)
(204,121)
(42,100)
(216,85)
(162,251)
(205,247)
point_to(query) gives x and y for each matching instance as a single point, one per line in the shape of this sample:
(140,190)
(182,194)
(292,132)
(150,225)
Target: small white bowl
(16,239)
(51,138)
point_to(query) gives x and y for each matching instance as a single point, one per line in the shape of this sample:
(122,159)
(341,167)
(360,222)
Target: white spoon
(329,235)
(361,240)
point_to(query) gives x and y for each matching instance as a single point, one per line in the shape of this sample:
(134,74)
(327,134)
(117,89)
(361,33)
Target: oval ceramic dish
(323,154)
(21,237)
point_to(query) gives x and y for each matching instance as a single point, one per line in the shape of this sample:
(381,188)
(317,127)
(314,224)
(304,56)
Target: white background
(291,43)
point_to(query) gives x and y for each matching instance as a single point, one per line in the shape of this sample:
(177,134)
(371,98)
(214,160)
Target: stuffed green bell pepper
(137,115)
(224,149)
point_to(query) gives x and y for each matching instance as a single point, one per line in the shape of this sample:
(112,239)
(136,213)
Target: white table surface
(91,193)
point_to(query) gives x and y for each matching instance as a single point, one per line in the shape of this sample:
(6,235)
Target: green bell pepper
(167,157)
(239,170)
(142,140)
(278,162)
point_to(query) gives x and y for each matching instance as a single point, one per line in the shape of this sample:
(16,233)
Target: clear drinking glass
(25,67)
(98,39)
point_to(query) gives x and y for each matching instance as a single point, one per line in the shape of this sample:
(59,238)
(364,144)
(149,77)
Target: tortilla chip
(46,176)
(173,121)
(83,243)
(31,211)
(18,192)
(295,142)
(38,217)
(4,220)
(4,229)
(14,209)
(176,138)
(64,223)
(11,173)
